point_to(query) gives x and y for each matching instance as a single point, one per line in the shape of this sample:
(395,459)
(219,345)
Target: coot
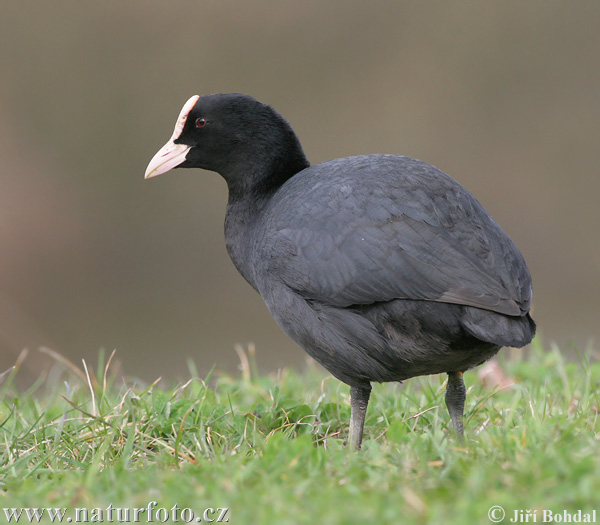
(380,267)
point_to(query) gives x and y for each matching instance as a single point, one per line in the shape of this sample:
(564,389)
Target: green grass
(269,448)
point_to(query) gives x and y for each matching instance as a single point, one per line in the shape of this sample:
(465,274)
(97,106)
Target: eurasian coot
(380,267)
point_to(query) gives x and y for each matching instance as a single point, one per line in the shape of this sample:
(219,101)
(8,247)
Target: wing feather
(379,227)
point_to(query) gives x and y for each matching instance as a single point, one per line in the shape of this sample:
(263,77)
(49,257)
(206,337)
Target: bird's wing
(376,228)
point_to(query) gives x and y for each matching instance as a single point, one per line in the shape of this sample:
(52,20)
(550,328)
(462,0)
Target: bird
(380,266)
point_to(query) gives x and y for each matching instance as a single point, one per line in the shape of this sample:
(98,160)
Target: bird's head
(232,134)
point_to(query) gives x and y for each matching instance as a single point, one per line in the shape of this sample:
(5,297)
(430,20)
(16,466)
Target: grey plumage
(381,267)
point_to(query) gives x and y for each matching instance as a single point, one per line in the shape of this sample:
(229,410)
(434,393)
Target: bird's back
(374,228)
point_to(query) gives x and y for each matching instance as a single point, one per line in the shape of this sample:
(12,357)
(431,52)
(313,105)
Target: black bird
(380,267)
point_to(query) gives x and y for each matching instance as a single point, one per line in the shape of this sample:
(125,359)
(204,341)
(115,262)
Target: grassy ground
(269,448)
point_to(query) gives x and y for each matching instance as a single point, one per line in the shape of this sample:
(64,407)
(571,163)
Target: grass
(269,448)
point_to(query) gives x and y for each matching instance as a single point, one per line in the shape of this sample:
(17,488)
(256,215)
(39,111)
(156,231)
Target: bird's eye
(200,122)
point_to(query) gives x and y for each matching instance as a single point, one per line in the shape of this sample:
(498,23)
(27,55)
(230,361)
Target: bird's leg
(455,400)
(359,399)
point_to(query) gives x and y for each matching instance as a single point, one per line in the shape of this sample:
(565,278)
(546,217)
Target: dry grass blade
(62,359)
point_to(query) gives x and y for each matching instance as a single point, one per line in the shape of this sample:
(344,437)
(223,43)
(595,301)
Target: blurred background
(503,96)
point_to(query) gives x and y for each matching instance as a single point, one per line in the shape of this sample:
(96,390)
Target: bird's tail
(499,329)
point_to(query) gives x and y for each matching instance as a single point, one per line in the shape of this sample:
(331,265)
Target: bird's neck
(244,212)
(251,188)
(239,221)
(251,182)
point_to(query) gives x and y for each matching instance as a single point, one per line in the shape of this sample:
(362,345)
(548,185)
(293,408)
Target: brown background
(503,96)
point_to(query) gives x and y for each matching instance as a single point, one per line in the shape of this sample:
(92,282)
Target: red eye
(200,122)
